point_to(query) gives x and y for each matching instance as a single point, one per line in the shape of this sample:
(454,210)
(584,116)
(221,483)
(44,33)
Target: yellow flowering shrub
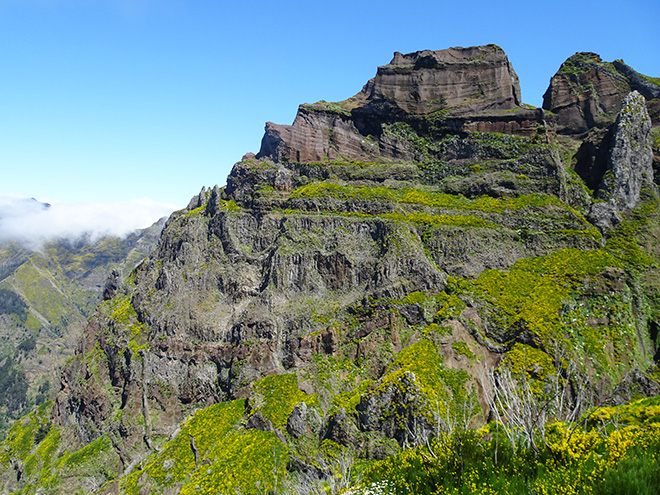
(533,363)
(125,322)
(425,388)
(275,397)
(532,293)
(38,444)
(20,438)
(175,462)
(574,460)
(252,461)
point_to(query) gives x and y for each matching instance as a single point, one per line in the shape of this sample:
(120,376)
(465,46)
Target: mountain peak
(464,80)
(391,271)
(472,88)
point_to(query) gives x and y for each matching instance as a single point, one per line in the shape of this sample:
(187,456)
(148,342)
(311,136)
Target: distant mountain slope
(46,297)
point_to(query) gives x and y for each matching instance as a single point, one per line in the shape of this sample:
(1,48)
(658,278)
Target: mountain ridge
(371,276)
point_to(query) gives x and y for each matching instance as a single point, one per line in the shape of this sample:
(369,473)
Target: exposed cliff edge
(368,282)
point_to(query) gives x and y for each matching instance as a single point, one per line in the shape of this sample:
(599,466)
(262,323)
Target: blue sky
(113,100)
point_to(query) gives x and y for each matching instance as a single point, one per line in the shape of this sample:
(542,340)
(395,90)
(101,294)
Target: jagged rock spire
(629,166)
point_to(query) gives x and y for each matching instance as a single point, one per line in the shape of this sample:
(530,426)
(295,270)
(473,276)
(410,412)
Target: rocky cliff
(463,88)
(587,92)
(366,283)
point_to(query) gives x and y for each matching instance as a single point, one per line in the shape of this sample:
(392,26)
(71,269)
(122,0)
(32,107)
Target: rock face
(464,80)
(629,166)
(587,92)
(302,421)
(622,162)
(635,384)
(609,110)
(234,271)
(396,410)
(450,86)
(646,87)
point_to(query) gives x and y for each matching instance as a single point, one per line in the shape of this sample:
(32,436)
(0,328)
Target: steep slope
(364,284)
(582,103)
(478,85)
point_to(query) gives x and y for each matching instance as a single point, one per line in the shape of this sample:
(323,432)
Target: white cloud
(30,222)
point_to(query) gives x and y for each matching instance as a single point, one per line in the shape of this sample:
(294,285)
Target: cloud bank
(31,222)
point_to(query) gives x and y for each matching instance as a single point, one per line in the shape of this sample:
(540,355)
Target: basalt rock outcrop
(630,158)
(627,163)
(362,279)
(464,80)
(592,101)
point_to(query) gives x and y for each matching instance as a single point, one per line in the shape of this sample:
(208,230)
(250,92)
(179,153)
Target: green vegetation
(11,303)
(133,332)
(331,299)
(21,437)
(14,386)
(443,390)
(543,297)
(424,219)
(338,381)
(213,454)
(584,62)
(46,465)
(45,299)
(352,170)
(339,108)
(275,396)
(253,461)
(534,290)
(654,80)
(655,138)
(44,295)
(462,349)
(573,460)
(176,460)
(438,209)
(430,140)
(485,204)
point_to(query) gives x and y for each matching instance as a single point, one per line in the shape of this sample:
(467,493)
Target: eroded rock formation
(587,92)
(472,88)
(463,80)
(232,290)
(629,165)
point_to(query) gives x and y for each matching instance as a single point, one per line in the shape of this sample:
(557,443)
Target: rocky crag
(476,86)
(368,280)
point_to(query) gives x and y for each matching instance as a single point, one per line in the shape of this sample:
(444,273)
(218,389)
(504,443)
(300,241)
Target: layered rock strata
(587,92)
(471,89)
